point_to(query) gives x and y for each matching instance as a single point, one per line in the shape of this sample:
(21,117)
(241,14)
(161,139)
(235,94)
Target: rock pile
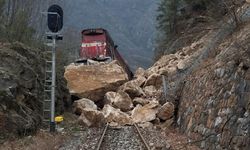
(132,102)
(141,99)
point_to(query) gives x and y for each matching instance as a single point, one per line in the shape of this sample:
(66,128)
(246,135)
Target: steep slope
(216,107)
(21,91)
(208,81)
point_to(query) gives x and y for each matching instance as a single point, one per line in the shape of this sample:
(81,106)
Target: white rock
(80,105)
(91,118)
(145,113)
(116,116)
(119,100)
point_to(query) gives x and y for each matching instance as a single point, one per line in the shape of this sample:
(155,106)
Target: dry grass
(43,140)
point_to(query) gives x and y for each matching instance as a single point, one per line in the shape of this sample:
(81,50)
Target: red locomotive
(97,45)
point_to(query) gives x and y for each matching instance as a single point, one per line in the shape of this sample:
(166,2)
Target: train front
(94,46)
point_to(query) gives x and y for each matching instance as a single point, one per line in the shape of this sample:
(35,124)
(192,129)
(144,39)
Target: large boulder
(80,105)
(93,81)
(119,100)
(141,114)
(116,116)
(89,115)
(166,111)
(91,118)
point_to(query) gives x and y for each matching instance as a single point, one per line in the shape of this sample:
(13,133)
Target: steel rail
(102,137)
(142,138)
(137,129)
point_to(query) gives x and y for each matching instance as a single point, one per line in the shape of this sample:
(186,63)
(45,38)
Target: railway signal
(55,24)
(55,18)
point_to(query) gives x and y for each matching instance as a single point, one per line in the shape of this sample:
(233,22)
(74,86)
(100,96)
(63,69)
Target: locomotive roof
(94,30)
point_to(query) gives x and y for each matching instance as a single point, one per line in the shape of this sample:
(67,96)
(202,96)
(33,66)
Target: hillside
(130,23)
(21,91)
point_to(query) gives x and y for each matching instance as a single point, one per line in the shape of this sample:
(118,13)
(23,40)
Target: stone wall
(214,109)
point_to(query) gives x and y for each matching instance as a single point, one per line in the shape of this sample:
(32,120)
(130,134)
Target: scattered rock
(166,111)
(113,115)
(119,100)
(133,87)
(150,91)
(184,63)
(140,72)
(80,105)
(91,118)
(141,101)
(93,81)
(145,113)
(154,79)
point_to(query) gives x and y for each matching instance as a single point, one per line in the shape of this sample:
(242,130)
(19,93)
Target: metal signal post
(52,78)
(53,86)
(55,24)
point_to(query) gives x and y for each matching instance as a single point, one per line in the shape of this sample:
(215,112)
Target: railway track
(135,140)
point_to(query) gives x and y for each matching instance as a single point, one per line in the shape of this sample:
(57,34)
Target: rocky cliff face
(208,81)
(21,90)
(215,101)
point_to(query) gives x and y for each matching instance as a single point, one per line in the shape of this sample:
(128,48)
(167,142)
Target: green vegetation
(167,24)
(176,16)
(19,30)
(14,23)
(2,2)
